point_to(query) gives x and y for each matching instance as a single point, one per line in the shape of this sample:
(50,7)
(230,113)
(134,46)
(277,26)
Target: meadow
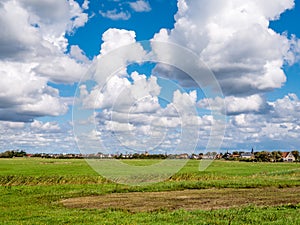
(57,191)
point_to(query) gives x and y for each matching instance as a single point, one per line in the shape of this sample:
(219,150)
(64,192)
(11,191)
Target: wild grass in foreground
(32,189)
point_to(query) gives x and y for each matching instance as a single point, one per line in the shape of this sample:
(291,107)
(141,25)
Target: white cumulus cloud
(33,53)
(236,105)
(140,6)
(115,14)
(222,35)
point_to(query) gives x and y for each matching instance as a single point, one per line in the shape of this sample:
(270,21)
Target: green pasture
(32,188)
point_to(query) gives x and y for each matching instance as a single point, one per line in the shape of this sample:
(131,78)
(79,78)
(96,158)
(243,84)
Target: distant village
(251,156)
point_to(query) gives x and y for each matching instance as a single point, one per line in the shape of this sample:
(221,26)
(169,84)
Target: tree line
(262,156)
(13,153)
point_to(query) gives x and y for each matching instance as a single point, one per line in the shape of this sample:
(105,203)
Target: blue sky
(145,24)
(49,90)
(288,23)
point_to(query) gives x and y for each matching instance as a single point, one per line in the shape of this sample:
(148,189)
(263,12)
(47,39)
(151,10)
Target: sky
(163,76)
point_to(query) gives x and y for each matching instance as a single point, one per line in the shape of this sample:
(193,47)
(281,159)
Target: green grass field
(32,191)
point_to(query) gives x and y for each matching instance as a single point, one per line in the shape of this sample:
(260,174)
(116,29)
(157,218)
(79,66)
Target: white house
(247,155)
(288,157)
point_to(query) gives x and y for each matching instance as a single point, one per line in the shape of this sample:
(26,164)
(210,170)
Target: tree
(263,156)
(13,153)
(296,155)
(276,156)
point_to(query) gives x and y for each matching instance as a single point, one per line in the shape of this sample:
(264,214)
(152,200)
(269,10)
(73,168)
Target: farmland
(48,191)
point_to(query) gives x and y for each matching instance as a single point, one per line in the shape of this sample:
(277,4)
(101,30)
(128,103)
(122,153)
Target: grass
(32,191)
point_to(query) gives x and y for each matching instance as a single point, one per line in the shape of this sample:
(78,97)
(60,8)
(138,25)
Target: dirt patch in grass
(205,199)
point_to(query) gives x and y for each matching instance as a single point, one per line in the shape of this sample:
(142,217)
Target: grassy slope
(31,188)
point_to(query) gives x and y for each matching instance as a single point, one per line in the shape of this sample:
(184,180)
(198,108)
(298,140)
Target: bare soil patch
(204,199)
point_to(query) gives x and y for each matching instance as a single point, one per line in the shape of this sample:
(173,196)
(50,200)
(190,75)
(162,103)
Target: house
(182,156)
(219,156)
(247,155)
(288,157)
(234,156)
(194,156)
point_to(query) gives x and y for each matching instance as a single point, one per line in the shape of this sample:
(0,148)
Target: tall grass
(220,174)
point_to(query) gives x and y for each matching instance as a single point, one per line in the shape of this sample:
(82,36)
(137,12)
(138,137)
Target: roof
(247,154)
(284,154)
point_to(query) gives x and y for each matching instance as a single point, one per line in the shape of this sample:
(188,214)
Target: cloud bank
(232,37)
